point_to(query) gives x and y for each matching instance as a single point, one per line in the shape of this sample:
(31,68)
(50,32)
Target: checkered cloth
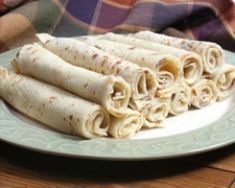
(211,20)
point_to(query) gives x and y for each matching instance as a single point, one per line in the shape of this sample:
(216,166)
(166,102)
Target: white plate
(192,132)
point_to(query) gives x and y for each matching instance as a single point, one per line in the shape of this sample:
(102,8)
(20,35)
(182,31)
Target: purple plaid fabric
(211,20)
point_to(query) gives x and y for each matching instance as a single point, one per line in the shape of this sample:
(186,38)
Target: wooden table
(26,169)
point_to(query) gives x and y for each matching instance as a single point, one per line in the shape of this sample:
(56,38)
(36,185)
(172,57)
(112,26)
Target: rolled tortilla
(110,91)
(212,54)
(53,106)
(154,112)
(225,81)
(203,93)
(167,68)
(125,127)
(180,99)
(142,80)
(191,62)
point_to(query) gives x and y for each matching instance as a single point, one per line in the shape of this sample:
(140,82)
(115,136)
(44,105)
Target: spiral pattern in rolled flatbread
(180,99)
(110,91)
(225,81)
(191,62)
(52,106)
(154,111)
(167,68)
(141,79)
(203,93)
(125,127)
(212,54)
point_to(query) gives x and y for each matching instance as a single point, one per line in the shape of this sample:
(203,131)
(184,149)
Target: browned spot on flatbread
(118,62)
(52,97)
(118,71)
(194,93)
(98,47)
(94,56)
(85,85)
(29,48)
(66,48)
(103,62)
(113,66)
(190,45)
(127,68)
(71,117)
(132,48)
(94,92)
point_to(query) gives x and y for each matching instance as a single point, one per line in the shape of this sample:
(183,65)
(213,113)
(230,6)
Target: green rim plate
(20,133)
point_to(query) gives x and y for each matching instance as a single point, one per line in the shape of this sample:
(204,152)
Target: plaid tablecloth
(211,20)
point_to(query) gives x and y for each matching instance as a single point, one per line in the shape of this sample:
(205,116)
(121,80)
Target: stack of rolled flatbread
(114,85)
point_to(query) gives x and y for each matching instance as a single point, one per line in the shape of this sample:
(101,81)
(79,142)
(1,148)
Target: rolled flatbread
(167,68)
(142,80)
(53,106)
(180,99)
(110,91)
(203,93)
(125,127)
(212,54)
(191,62)
(225,81)
(154,112)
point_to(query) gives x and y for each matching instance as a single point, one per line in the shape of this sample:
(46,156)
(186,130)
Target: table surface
(23,168)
